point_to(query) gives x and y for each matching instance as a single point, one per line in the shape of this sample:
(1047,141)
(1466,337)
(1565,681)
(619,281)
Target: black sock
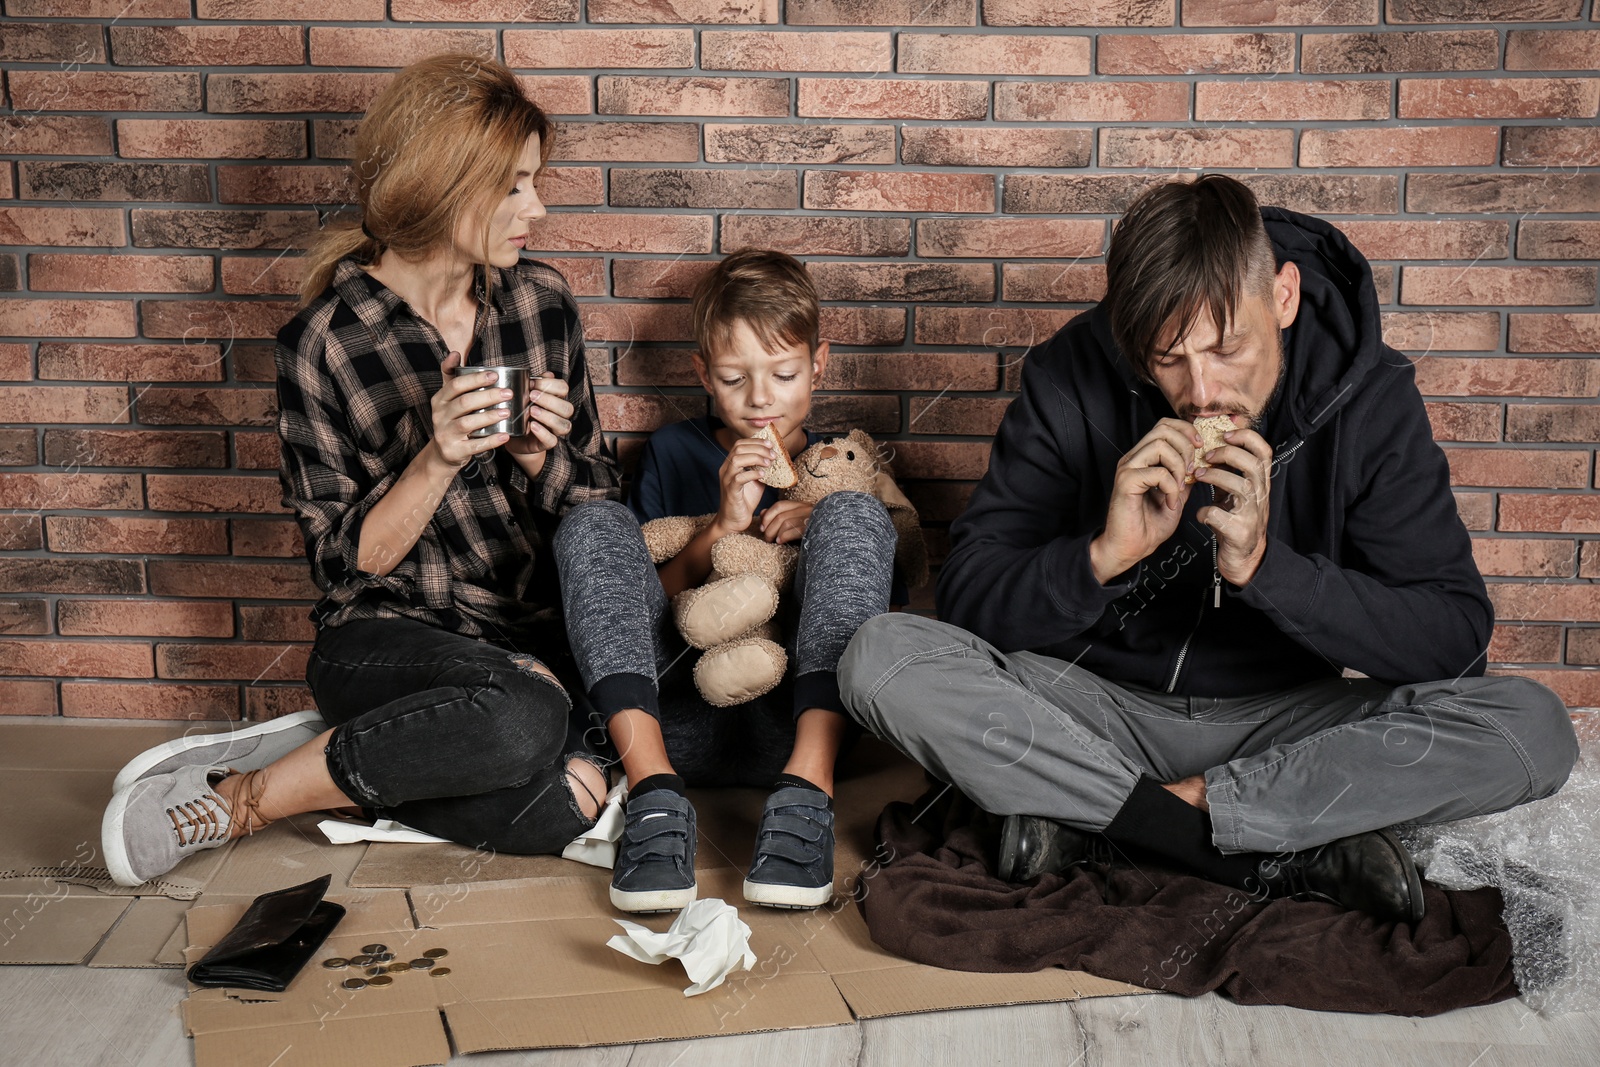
(795,780)
(1157,821)
(670,782)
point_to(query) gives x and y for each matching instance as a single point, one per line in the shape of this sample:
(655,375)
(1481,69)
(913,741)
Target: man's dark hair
(1183,249)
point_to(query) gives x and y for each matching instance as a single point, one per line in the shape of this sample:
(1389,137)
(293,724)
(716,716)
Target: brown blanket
(937,901)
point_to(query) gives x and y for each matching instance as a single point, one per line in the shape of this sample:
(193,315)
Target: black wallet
(268,946)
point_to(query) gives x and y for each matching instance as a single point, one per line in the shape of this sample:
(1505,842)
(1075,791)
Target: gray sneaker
(654,870)
(161,820)
(793,862)
(248,749)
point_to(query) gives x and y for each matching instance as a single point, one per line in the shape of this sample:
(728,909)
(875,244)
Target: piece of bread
(1210,428)
(781,474)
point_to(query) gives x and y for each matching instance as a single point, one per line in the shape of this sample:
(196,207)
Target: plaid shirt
(357,369)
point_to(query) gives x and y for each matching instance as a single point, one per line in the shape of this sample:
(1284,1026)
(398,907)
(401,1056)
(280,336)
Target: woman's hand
(741,485)
(459,408)
(549,416)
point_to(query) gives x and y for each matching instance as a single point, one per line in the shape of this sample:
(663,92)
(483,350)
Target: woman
(427,542)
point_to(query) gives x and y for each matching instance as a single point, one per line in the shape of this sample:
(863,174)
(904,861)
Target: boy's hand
(785,521)
(740,479)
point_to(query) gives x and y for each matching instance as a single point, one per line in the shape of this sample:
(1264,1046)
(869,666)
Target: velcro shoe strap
(786,848)
(800,827)
(660,826)
(669,847)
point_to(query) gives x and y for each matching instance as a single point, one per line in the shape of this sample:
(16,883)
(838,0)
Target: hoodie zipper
(1216,583)
(1216,602)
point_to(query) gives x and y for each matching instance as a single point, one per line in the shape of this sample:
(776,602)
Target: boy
(755,320)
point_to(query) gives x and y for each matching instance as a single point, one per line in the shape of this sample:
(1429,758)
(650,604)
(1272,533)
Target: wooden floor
(83,1017)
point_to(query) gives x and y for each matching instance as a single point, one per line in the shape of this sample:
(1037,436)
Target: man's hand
(1241,473)
(1147,498)
(785,521)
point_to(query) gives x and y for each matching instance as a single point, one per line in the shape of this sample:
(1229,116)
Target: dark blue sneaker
(793,864)
(655,855)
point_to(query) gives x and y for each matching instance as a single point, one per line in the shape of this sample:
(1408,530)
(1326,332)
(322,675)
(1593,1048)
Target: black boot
(1031,845)
(1370,872)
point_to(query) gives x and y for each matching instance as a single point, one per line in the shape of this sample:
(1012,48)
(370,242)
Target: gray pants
(630,654)
(1021,733)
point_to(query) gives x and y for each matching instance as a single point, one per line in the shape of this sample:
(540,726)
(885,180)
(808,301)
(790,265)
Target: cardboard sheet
(142,931)
(49,922)
(529,969)
(54,787)
(526,935)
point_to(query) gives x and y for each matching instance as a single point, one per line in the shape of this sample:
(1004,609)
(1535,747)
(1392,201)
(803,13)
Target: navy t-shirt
(678,471)
(678,475)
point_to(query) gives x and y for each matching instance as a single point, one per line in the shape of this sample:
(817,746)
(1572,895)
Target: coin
(333,962)
(371,949)
(355,983)
(439,972)
(437,953)
(382,957)
(396,968)
(360,961)
(382,979)
(375,970)
(422,964)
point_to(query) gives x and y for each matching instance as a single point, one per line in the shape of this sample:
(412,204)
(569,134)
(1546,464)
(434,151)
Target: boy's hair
(770,291)
(1182,250)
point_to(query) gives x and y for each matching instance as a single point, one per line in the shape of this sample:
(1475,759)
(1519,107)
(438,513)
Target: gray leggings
(630,655)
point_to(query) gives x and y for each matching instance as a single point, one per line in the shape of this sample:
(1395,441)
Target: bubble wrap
(1544,857)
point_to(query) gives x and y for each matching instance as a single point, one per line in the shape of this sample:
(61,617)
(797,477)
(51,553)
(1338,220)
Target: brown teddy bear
(730,617)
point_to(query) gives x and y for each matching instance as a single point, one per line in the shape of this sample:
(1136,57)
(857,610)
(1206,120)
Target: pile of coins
(380,965)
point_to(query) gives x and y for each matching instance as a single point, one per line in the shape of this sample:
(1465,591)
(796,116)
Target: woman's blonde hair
(442,139)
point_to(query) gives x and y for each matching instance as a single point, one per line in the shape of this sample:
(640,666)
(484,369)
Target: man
(1149,647)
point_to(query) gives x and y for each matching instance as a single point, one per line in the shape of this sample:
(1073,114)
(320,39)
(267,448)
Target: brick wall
(948,167)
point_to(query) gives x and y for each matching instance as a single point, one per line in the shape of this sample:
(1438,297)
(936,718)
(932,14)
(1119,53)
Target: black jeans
(452,736)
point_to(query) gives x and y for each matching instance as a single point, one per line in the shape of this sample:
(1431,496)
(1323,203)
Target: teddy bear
(731,617)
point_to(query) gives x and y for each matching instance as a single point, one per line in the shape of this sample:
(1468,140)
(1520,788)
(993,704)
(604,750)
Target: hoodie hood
(1336,338)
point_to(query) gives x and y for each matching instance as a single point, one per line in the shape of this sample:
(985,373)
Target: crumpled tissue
(341,832)
(598,844)
(708,936)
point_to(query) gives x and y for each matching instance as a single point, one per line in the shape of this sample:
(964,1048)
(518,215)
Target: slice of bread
(1210,428)
(781,474)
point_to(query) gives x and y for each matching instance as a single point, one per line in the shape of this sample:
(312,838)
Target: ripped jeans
(459,738)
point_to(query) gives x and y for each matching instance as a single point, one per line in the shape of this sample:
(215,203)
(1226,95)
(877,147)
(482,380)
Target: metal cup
(514,378)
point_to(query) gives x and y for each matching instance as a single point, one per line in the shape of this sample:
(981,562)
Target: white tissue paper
(347,833)
(598,844)
(708,936)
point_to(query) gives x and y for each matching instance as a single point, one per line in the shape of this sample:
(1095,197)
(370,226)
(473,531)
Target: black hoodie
(1367,564)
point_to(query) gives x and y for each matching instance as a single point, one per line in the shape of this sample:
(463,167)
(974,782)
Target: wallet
(268,946)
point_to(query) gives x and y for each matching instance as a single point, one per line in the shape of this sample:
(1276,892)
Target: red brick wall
(949,167)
